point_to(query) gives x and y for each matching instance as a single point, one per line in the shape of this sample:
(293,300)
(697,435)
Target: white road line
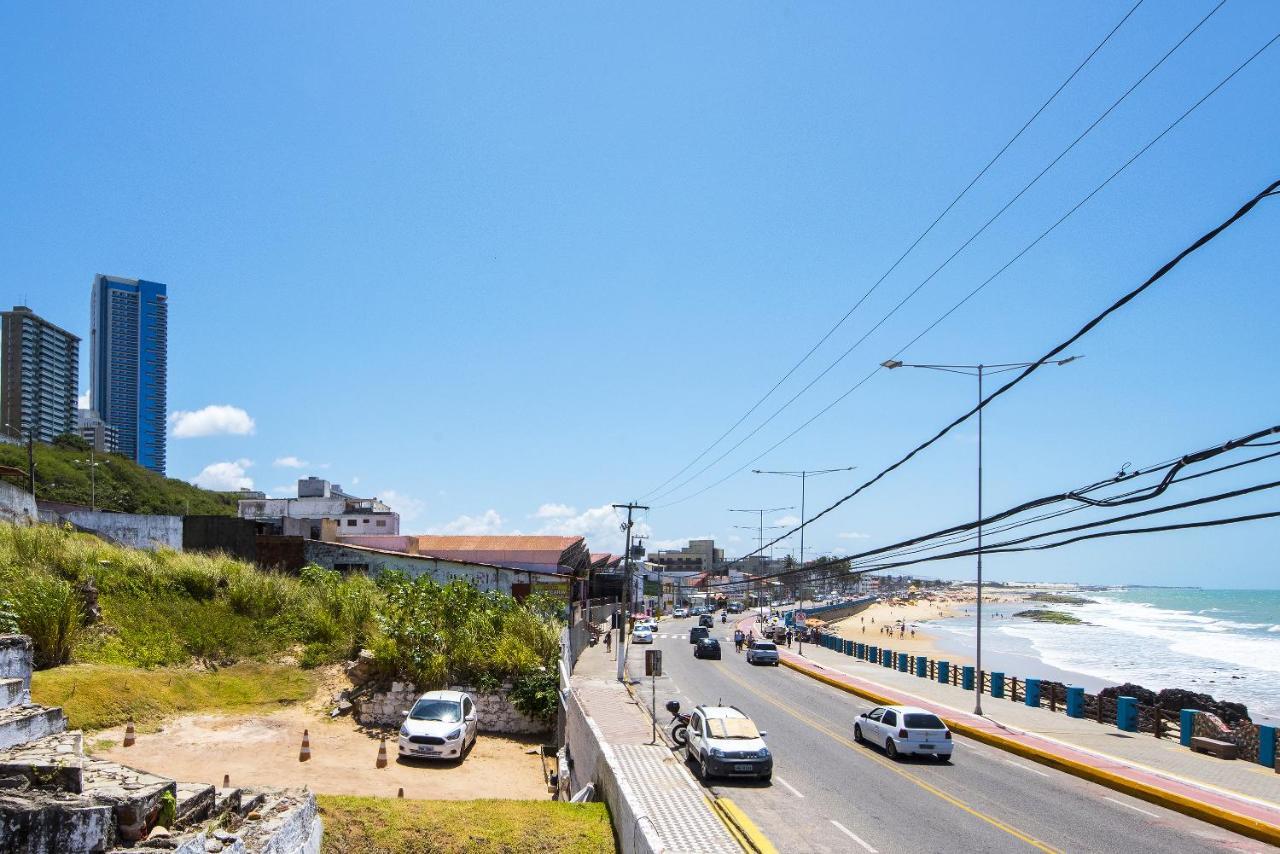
(1130,806)
(1025,767)
(855,837)
(790,787)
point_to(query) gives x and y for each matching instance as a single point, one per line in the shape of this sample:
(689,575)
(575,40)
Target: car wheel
(703,771)
(943,758)
(857,733)
(890,749)
(766,778)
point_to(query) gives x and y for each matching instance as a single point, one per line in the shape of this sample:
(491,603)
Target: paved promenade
(667,797)
(1238,786)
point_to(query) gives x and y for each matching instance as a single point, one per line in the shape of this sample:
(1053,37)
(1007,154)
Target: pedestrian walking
(608,642)
(788,638)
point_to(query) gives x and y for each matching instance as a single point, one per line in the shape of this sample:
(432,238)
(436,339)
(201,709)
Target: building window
(382,523)
(351,523)
(364,521)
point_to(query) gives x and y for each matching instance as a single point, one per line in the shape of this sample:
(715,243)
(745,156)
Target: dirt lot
(262,749)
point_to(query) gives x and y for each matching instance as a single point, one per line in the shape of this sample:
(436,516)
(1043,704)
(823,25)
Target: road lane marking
(790,787)
(1024,767)
(855,837)
(1130,806)
(892,766)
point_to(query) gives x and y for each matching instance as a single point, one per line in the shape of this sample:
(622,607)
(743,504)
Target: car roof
(911,710)
(721,712)
(455,696)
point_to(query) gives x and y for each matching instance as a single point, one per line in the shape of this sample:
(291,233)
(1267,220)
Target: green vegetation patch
(1059,599)
(96,696)
(1043,616)
(395,826)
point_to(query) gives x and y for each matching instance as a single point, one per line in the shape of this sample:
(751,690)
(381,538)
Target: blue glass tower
(129,343)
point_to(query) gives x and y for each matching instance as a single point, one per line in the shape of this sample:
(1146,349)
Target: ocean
(1220,642)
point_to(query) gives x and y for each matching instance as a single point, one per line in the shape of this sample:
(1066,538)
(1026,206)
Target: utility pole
(760,549)
(626,586)
(803,474)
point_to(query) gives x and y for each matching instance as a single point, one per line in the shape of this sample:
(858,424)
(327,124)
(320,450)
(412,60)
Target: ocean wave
(1274,629)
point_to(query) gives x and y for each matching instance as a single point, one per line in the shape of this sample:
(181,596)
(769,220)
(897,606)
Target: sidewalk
(1247,789)
(665,796)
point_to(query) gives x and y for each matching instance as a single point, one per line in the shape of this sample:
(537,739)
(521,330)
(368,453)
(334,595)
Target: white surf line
(1130,806)
(790,787)
(855,837)
(1024,767)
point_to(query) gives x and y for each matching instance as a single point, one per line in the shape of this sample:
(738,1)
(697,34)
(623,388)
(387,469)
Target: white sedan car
(642,634)
(904,730)
(441,725)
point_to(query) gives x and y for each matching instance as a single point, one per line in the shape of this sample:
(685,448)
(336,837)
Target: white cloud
(407,506)
(554,511)
(290,462)
(600,525)
(225,477)
(213,420)
(853,535)
(355,480)
(83,400)
(488,522)
(787,521)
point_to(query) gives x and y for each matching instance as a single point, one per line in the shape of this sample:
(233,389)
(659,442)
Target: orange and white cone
(305,753)
(400,794)
(129,735)
(226,781)
(382,753)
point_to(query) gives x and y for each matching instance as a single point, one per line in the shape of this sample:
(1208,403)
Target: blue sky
(505,264)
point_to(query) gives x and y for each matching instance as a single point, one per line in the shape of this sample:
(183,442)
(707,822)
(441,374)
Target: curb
(744,830)
(1244,825)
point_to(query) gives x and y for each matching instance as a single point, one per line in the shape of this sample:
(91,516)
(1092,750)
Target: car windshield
(436,710)
(918,721)
(709,642)
(732,728)
(764,645)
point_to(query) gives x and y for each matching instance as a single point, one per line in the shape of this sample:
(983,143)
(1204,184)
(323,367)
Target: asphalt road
(829,794)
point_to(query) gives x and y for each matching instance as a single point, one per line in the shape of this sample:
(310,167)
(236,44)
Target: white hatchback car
(642,633)
(441,725)
(904,730)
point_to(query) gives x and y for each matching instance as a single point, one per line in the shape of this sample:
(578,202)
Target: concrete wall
(134,530)
(16,661)
(236,537)
(494,710)
(17,505)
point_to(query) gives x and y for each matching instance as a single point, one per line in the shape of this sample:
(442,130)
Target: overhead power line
(1204,239)
(981,172)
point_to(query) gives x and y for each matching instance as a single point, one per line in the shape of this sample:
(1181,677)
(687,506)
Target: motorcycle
(679,725)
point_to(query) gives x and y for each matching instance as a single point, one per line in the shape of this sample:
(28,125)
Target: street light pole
(803,474)
(978,371)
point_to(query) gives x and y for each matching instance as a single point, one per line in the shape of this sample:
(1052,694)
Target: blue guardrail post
(997,685)
(944,672)
(1032,695)
(1186,723)
(886,658)
(873,654)
(966,677)
(902,662)
(922,666)
(1267,745)
(1075,701)
(848,647)
(1127,713)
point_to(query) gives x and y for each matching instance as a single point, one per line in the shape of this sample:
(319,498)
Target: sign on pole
(653,662)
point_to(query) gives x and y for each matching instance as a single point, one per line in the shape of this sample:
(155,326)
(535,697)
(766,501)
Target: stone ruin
(54,798)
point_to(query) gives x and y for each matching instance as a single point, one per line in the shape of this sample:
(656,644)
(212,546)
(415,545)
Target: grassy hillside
(163,609)
(122,484)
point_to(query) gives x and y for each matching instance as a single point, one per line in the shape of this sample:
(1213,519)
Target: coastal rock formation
(1041,615)
(1175,699)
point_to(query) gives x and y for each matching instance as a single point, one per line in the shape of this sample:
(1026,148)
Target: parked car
(903,730)
(707,648)
(680,612)
(440,725)
(734,608)
(707,620)
(724,742)
(651,622)
(642,633)
(762,652)
(697,633)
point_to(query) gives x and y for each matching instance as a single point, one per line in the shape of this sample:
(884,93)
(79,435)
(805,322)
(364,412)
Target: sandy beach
(866,626)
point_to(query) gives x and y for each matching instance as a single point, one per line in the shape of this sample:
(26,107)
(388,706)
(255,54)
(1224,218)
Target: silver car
(762,652)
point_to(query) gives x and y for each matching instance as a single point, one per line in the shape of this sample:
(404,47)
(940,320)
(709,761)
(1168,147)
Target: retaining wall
(135,530)
(495,710)
(17,505)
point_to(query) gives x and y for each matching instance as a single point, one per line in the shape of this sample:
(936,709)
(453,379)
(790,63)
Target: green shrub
(48,609)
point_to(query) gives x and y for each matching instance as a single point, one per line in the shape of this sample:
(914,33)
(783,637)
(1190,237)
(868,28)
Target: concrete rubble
(54,798)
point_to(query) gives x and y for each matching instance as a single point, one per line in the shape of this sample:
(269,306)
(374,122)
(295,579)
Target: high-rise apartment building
(129,340)
(39,371)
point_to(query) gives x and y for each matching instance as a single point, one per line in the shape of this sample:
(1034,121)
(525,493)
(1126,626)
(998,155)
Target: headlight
(715,751)
(404,730)
(451,736)
(764,753)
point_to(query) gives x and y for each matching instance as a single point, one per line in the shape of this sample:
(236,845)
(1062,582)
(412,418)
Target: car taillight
(948,735)
(902,733)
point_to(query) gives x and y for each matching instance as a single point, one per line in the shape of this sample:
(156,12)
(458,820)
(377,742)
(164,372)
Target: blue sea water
(1220,642)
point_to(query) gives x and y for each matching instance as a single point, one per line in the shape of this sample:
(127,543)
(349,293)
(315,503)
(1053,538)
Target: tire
(945,760)
(891,749)
(680,735)
(702,769)
(857,734)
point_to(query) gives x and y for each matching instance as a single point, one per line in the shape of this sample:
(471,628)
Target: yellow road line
(1228,819)
(928,787)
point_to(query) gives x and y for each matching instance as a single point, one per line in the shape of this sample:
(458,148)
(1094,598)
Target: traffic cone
(382,753)
(226,781)
(400,794)
(129,735)
(305,753)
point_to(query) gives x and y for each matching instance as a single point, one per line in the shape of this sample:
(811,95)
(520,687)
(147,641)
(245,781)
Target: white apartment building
(318,501)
